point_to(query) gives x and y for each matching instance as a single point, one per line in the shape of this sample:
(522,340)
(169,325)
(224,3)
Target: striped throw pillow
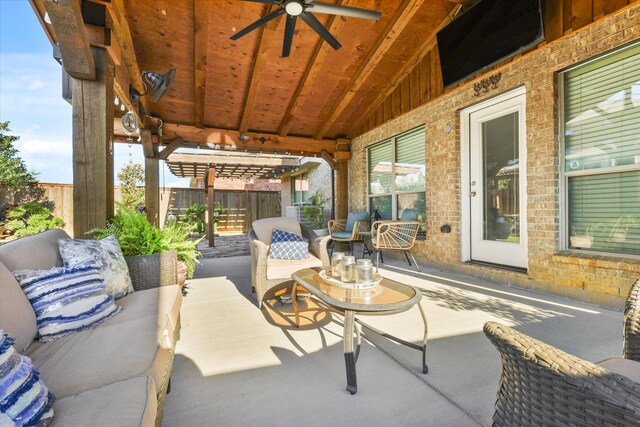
(24,399)
(67,300)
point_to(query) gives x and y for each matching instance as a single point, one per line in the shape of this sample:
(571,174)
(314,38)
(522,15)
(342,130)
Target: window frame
(300,176)
(394,192)
(564,175)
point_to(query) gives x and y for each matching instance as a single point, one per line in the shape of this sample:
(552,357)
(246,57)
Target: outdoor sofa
(115,374)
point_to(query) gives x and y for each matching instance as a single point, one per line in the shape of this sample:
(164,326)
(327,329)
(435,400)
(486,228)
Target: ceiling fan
(303,8)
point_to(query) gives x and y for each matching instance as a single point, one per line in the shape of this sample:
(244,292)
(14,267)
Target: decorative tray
(377,278)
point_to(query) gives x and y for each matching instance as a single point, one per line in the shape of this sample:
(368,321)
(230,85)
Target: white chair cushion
(284,268)
(264,227)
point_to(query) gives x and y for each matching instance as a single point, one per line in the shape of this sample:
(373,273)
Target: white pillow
(108,257)
(26,400)
(66,300)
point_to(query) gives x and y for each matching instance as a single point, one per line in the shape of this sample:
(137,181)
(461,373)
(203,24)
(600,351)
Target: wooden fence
(239,208)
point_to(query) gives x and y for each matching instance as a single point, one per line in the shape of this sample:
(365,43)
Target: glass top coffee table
(388,297)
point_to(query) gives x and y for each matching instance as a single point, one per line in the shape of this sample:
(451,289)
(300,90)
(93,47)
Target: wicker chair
(349,230)
(396,236)
(543,386)
(267,273)
(632,323)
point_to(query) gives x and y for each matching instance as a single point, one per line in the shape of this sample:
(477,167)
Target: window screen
(602,153)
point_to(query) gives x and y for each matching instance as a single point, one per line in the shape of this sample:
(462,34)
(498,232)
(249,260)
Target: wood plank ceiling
(302,104)
(246,85)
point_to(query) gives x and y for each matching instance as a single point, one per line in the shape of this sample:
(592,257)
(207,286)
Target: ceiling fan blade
(288,35)
(276,2)
(335,9)
(273,15)
(313,22)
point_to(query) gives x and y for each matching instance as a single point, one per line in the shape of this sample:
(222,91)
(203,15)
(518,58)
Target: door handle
(472,194)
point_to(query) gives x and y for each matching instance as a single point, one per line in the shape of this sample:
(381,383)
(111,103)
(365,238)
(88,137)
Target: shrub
(31,218)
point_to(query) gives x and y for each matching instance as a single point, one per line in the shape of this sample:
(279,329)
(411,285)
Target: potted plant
(314,212)
(193,217)
(147,247)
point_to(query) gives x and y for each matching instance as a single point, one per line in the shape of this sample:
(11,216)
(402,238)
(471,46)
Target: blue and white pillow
(67,300)
(286,245)
(24,399)
(108,257)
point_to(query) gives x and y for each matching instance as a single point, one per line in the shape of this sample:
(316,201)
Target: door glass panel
(500,162)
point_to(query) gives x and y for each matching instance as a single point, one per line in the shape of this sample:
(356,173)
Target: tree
(18,185)
(13,170)
(131,178)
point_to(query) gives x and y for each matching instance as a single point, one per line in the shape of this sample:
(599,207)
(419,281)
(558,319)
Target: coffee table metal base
(352,343)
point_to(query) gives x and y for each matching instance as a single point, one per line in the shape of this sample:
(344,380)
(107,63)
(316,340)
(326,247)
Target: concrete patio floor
(238,365)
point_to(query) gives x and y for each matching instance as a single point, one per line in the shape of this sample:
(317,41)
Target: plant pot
(182,273)
(151,271)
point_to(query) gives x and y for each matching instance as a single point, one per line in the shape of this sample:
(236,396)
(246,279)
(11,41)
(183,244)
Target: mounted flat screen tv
(488,32)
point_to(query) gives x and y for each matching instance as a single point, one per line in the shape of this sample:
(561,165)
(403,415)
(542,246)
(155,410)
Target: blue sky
(31,100)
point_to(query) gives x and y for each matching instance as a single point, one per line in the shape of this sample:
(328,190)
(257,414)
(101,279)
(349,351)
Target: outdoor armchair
(266,272)
(542,385)
(396,236)
(349,230)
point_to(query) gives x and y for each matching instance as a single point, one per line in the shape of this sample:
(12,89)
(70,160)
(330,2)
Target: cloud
(35,85)
(46,148)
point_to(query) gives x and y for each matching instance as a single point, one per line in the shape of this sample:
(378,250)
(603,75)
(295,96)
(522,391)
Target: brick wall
(597,279)
(319,179)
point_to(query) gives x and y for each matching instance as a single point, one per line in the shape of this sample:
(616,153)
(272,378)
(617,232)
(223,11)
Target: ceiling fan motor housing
(294,7)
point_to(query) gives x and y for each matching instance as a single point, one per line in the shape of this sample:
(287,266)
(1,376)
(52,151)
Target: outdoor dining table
(387,297)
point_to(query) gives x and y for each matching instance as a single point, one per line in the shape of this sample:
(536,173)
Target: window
(300,189)
(602,153)
(396,169)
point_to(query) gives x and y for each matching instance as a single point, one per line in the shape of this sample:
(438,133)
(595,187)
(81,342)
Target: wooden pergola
(211,166)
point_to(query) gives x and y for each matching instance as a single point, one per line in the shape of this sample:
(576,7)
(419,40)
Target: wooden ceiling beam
(102,37)
(335,26)
(173,146)
(147,143)
(66,18)
(234,161)
(221,139)
(388,89)
(39,9)
(120,24)
(268,32)
(257,141)
(201,41)
(397,24)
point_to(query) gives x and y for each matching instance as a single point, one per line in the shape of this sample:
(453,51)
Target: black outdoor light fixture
(159,83)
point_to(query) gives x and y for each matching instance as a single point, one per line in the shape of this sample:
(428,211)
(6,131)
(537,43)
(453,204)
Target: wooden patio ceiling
(188,165)
(228,87)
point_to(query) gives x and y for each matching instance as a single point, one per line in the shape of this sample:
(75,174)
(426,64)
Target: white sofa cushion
(160,302)
(104,355)
(131,402)
(284,268)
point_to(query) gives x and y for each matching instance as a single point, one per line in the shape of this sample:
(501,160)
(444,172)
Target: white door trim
(465,164)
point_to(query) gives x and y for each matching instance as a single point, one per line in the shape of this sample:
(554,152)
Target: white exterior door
(494,181)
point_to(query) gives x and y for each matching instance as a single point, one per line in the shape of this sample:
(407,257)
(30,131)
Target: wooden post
(93,147)
(342,184)
(342,156)
(211,176)
(151,182)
